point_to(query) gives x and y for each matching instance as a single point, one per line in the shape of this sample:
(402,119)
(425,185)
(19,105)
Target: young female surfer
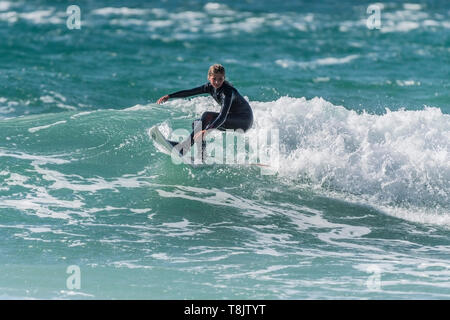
(235,111)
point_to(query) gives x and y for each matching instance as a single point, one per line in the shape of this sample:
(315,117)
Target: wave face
(358,206)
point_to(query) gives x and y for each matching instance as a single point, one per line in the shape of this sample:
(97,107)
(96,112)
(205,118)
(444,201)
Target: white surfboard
(165,145)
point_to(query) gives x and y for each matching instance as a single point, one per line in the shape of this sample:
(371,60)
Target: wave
(397,162)
(285,63)
(399,159)
(119,11)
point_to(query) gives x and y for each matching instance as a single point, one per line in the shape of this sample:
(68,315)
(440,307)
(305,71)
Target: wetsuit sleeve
(226,105)
(191,92)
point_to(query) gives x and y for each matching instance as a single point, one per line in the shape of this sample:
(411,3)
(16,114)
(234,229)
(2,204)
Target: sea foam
(399,159)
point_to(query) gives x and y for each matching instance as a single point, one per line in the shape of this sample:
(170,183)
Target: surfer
(235,112)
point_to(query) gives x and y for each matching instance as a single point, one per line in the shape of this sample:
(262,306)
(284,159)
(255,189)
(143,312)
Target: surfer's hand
(199,134)
(163,99)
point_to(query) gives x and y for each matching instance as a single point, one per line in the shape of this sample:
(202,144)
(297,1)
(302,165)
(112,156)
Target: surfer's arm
(189,93)
(226,105)
(184,93)
(163,99)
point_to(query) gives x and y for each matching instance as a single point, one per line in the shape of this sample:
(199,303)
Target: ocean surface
(358,206)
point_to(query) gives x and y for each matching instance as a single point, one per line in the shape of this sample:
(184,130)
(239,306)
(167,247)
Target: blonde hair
(215,69)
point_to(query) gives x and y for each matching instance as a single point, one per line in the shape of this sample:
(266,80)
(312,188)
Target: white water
(398,161)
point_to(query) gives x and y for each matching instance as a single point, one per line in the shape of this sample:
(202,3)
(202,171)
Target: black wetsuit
(235,114)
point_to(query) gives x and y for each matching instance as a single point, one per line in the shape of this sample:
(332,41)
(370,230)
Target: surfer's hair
(215,69)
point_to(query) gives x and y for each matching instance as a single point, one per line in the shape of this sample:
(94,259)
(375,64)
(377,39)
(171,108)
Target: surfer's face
(216,80)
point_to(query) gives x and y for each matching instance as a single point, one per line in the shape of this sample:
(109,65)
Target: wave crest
(400,158)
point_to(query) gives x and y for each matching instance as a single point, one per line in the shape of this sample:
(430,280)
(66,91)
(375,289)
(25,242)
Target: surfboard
(166,146)
(158,137)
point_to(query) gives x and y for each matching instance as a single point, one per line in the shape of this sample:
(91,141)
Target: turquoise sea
(359,205)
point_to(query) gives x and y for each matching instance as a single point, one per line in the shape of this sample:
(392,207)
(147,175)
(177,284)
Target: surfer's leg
(200,124)
(237,122)
(197,126)
(173,143)
(207,118)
